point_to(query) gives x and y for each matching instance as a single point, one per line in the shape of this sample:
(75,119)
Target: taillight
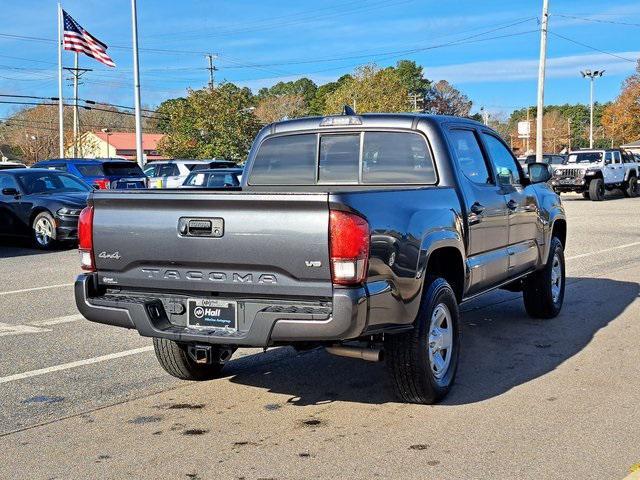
(85,239)
(102,183)
(348,247)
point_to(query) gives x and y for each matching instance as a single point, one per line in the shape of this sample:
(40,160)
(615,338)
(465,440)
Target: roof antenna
(347,110)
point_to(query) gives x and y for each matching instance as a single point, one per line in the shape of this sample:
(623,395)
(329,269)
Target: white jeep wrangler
(592,172)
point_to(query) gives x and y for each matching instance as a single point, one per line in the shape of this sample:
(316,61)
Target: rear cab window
(368,157)
(91,170)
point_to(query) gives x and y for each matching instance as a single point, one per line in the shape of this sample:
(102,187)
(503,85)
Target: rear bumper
(263,324)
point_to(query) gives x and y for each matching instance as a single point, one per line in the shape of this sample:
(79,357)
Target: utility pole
(212,68)
(529,130)
(541,74)
(77,73)
(591,75)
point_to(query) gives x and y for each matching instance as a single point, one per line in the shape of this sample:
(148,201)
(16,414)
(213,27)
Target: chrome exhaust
(368,354)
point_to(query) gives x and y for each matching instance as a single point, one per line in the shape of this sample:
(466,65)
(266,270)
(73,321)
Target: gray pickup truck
(359,234)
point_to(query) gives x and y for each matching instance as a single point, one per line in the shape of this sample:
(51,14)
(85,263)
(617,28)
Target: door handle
(512,204)
(477,208)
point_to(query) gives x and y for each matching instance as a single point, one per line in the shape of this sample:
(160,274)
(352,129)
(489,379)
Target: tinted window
(506,168)
(150,170)
(123,168)
(166,170)
(90,170)
(393,157)
(557,160)
(287,160)
(469,155)
(222,180)
(339,158)
(7,181)
(50,183)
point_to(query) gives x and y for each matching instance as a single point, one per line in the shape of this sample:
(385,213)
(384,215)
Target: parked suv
(592,172)
(173,173)
(357,233)
(102,173)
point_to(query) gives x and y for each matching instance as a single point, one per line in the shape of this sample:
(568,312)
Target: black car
(214,178)
(41,204)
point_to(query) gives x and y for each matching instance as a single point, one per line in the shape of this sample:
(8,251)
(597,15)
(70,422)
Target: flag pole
(136,85)
(60,100)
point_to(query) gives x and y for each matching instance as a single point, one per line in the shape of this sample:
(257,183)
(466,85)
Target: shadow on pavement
(21,247)
(502,348)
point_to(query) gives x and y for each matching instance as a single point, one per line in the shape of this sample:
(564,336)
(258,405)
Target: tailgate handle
(201,227)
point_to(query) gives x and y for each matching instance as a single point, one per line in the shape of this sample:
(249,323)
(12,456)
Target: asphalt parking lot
(533,399)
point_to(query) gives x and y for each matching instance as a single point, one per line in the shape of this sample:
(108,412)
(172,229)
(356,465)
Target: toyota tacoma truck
(592,172)
(357,233)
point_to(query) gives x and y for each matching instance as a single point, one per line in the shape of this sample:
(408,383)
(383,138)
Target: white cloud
(509,70)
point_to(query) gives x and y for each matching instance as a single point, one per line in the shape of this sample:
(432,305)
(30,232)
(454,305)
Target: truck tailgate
(242,243)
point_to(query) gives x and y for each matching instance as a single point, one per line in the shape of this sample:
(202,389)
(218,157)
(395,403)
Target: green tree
(318,103)
(412,77)
(370,90)
(210,123)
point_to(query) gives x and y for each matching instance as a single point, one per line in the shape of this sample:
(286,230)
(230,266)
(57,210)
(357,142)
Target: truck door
(522,205)
(486,211)
(617,167)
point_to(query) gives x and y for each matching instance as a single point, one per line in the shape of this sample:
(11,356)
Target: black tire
(173,357)
(407,354)
(585,195)
(44,222)
(596,190)
(537,291)
(631,189)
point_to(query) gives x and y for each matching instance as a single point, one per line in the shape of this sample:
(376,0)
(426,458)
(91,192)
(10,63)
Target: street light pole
(591,75)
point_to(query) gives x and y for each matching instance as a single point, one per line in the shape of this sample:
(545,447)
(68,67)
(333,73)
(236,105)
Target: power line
(597,20)
(90,102)
(592,47)
(116,112)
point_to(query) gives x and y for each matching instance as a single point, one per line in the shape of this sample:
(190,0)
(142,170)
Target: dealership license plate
(218,314)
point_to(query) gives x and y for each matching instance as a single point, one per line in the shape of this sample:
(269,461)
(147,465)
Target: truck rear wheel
(173,357)
(423,362)
(543,291)
(596,190)
(631,189)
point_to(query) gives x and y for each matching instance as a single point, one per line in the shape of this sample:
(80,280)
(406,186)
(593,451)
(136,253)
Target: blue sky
(260,43)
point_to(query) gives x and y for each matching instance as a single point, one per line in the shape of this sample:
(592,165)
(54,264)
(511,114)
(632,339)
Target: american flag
(77,39)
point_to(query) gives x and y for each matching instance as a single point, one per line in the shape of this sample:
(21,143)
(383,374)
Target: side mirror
(10,192)
(539,173)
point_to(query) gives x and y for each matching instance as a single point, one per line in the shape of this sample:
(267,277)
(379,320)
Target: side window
(607,157)
(469,156)
(7,181)
(616,157)
(506,168)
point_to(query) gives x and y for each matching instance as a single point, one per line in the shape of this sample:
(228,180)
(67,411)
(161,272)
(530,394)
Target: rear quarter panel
(405,226)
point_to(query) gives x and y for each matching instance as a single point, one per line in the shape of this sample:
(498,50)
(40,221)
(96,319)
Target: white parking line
(79,363)
(7,329)
(34,289)
(57,321)
(619,247)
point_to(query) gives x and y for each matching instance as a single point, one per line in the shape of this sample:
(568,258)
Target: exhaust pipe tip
(368,354)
